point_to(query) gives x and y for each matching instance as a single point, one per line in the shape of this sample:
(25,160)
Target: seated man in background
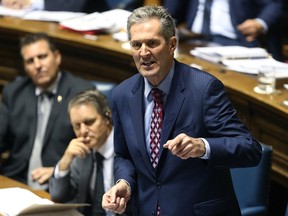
(34,126)
(79,169)
(226,22)
(86,6)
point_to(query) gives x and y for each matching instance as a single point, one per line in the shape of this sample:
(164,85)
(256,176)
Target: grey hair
(94,97)
(145,13)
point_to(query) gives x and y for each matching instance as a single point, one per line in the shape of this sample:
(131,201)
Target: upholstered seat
(252,185)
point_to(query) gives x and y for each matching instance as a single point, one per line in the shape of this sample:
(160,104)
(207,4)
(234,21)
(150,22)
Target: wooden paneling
(154,2)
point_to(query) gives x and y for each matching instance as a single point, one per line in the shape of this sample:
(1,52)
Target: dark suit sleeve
(178,9)
(65,5)
(63,189)
(270,11)
(232,145)
(4,116)
(124,168)
(86,6)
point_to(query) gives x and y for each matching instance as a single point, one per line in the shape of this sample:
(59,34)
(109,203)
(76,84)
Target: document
(18,201)
(251,66)
(51,16)
(40,15)
(241,59)
(12,12)
(109,21)
(219,53)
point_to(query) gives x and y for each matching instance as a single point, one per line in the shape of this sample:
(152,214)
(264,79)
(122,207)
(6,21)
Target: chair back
(251,185)
(106,88)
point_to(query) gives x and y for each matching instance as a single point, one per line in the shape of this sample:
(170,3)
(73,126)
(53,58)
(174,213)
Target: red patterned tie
(155,129)
(156,125)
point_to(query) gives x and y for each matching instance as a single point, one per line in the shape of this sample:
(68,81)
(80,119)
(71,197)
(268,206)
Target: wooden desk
(8,183)
(104,59)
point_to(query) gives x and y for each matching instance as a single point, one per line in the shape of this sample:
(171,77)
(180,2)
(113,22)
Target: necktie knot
(47,94)
(99,158)
(157,94)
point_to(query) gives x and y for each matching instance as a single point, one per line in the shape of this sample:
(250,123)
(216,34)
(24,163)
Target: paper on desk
(109,21)
(18,201)
(219,53)
(40,15)
(12,12)
(251,66)
(51,16)
(13,200)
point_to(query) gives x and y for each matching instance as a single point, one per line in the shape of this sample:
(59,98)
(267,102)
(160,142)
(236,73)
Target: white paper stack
(241,59)
(18,201)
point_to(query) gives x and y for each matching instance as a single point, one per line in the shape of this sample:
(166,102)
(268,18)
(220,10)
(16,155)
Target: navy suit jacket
(18,118)
(197,106)
(86,6)
(240,10)
(90,6)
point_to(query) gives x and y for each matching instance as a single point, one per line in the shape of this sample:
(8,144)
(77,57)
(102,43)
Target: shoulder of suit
(76,79)
(19,83)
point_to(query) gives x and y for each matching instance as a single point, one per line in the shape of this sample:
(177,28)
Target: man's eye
(152,43)
(136,45)
(89,122)
(43,56)
(29,61)
(76,126)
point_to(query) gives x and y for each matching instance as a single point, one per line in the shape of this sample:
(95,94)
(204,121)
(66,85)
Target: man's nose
(144,50)
(83,129)
(37,63)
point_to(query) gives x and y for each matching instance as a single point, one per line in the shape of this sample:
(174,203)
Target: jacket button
(158,185)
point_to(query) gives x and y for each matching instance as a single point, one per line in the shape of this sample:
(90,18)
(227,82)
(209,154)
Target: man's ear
(173,43)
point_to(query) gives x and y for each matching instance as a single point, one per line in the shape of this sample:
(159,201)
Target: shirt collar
(53,88)
(107,150)
(164,86)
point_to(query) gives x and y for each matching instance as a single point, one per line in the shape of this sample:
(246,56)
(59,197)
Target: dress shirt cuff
(263,23)
(208,150)
(60,174)
(37,5)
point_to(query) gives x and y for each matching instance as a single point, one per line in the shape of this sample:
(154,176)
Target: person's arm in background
(179,11)
(125,4)
(270,12)
(55,5)
(23,4)
(4,124)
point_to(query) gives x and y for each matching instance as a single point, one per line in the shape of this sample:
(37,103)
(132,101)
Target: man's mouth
(148,63)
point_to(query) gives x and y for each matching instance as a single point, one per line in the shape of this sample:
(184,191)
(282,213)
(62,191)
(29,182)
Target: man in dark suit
(241,22)
(20,110)
(201,137)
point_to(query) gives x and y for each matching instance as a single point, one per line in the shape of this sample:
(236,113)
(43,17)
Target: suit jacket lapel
(137,114)
(57,105)
(32,101)
(173,106)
